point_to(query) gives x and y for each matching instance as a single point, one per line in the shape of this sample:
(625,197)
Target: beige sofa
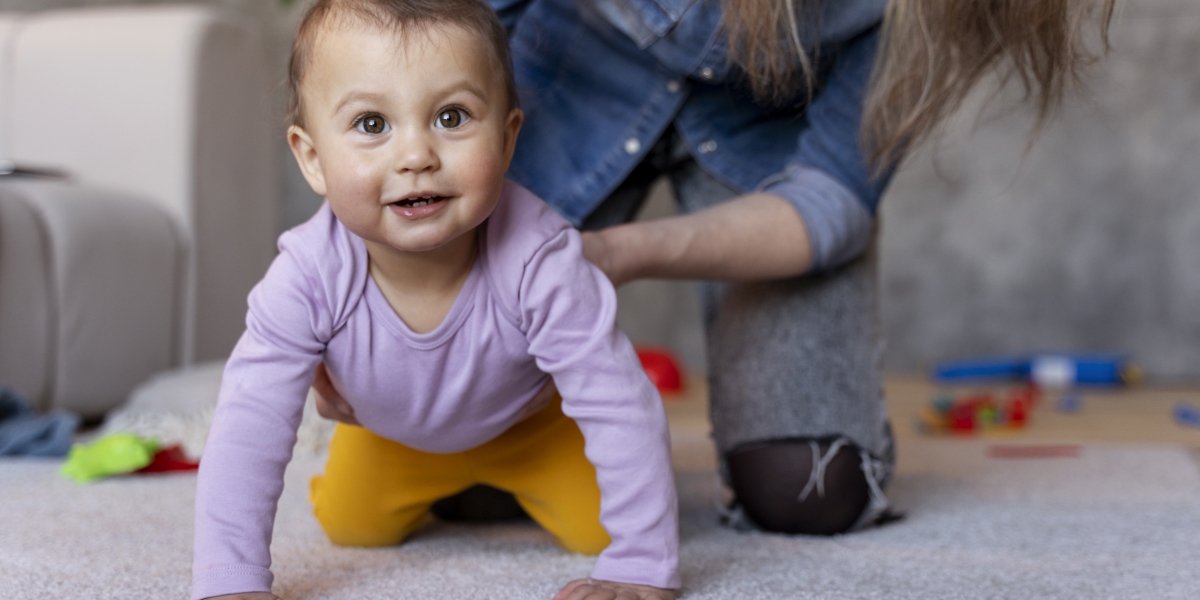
(141,258)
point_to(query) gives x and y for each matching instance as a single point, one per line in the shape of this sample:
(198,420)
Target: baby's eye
(373,124)
(451,118)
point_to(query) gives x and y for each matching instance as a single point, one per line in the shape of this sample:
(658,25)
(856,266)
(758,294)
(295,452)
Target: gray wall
(1091,241)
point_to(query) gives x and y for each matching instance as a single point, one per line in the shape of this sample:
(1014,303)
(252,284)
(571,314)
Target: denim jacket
(601,80)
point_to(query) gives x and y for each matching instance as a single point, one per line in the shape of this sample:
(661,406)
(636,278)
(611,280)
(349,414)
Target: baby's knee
(351,522)
(580,532)
(352,532)
(590,543)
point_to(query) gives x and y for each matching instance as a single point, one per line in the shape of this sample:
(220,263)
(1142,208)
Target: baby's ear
(306,157)
(512,127)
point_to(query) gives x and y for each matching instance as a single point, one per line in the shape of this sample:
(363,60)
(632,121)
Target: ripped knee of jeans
(803,486)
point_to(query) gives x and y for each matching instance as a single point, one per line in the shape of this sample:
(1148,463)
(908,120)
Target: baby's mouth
(419,201)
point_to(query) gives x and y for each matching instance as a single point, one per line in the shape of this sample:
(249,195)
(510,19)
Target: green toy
(110,455)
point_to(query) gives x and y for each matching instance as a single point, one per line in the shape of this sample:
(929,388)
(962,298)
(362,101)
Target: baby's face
(408,138)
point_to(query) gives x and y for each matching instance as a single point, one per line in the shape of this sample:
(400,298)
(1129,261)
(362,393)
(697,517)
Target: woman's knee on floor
(775,484)
(350,520)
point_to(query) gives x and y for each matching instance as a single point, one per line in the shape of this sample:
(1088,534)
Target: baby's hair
(475,16)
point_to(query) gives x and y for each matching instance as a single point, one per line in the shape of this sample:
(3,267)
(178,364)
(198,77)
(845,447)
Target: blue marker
(1058,370)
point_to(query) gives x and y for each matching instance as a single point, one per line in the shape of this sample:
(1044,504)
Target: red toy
(962,417)
(979,411)
(169,459)
(662,368)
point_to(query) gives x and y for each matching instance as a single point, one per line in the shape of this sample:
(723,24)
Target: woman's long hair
(765,41)
(932,53)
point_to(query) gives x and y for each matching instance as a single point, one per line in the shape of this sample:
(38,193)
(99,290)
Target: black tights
(769,480)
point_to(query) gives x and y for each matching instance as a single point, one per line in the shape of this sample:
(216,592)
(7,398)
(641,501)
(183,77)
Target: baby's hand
(592,589)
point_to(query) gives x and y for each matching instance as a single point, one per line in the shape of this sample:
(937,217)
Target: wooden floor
(1140,414)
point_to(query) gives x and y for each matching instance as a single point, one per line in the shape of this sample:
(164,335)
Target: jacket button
(707,146)
(673,86)
(632,145)
(706,73)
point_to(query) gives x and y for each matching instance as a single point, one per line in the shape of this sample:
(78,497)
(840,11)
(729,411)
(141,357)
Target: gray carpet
(1116,522)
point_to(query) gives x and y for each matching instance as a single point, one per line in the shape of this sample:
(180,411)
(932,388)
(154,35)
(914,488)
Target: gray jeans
(790,359)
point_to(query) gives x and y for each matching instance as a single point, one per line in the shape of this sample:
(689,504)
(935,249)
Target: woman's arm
(816,214)
(752,237)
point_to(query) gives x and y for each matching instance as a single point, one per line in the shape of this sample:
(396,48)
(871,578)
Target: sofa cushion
(91,283)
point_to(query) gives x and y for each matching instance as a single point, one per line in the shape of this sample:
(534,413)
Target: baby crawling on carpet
(441,300)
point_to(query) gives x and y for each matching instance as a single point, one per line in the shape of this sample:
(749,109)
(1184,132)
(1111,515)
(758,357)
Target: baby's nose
(416,153)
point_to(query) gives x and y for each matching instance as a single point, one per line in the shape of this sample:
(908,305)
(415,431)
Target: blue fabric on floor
(24,432)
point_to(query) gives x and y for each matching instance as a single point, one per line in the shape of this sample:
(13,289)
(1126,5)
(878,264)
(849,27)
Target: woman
(759,111)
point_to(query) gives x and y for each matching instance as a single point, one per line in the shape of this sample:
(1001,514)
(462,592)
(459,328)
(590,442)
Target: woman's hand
(598,250)
(592,589)
(331,404)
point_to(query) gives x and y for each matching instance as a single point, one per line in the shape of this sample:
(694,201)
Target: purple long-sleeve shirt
(531,306)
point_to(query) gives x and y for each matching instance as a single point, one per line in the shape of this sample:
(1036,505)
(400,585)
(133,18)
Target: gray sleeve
(839,225)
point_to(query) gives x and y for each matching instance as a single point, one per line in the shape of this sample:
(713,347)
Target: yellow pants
(375,492)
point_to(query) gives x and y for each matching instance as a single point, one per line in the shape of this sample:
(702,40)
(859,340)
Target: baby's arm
(568,310)
(253,433)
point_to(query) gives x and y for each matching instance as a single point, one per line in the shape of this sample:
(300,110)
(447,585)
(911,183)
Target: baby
(441,300)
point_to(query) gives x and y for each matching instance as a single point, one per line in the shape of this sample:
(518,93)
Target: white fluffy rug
(1116,522)
(176,407)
